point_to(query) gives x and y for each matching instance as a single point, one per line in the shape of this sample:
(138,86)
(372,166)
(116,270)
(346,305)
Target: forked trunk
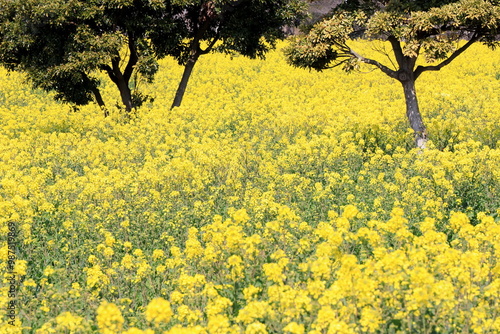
(206,16)
(122,79)
(122,83)
(188,70)
(413,113)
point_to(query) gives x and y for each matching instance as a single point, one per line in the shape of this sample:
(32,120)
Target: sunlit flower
(109,318)
(158,311)
(68,322)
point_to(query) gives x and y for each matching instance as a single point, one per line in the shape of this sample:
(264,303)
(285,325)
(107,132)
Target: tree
(61,44)
(246,27)
(433,29)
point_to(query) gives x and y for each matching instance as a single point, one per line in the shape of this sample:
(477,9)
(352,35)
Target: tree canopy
(62,44)
(246,27)
(439,31)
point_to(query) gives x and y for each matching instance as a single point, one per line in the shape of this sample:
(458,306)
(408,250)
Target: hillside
(275,200)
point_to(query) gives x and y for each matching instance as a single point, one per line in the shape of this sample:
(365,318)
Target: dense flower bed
(275,200)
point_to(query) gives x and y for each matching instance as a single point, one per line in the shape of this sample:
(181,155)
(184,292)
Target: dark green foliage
(246,27)
(62,44)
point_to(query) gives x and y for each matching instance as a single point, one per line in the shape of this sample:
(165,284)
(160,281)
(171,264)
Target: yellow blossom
(109,318)
(158,311)
(350,211)
(256,328)
(68,322)
(158,254)
(294,328)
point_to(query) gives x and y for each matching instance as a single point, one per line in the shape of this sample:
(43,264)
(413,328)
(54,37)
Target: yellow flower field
(275,200)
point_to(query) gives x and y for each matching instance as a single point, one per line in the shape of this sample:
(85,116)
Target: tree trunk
(188,70)
(100,101)
(122,83)
(413,112)
(125,94)
(121,80)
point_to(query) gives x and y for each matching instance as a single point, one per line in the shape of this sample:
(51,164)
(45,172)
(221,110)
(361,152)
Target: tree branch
(225,11)
(386,54)
(132,60)
(205,18)
(420,69)
(210,46)
(110,72)
(393,74)
(398,50)
(338,63)
(115,63)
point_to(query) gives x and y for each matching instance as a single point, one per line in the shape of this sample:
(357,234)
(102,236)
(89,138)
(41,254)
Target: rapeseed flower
(158,311)
(274,200)
(66,321)
(256,328)
(294,328)
(109,318)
